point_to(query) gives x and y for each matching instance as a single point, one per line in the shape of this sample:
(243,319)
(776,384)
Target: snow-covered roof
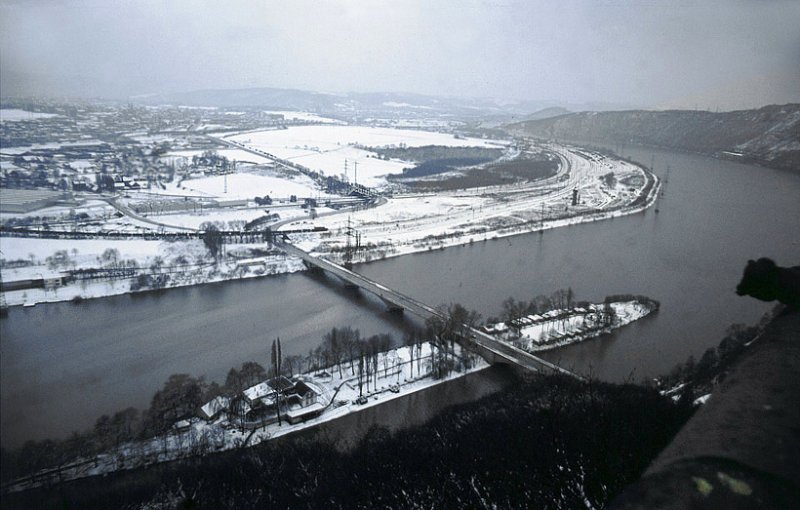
(216,406)
(266,388)
(254,393)
(182,424)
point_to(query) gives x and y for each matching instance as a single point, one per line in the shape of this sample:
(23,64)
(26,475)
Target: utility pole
(541,221)
(3,304)
(348,250)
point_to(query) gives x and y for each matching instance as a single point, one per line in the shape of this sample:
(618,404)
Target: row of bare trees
(514,310)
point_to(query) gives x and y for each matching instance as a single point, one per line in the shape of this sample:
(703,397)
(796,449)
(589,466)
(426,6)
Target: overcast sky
(708,54)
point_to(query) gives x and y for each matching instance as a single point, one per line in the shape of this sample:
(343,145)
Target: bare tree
(276,365)
(513,311)
(332,343)
(293,364)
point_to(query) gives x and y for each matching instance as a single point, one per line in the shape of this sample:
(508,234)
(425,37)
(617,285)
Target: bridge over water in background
(487,346)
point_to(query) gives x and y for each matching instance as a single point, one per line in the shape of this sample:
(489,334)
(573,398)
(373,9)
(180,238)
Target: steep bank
(536,455)
(739,450)
(768,136)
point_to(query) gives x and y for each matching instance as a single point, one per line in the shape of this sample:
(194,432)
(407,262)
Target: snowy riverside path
(488,347)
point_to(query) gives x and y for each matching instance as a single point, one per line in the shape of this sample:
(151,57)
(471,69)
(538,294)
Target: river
(63,365)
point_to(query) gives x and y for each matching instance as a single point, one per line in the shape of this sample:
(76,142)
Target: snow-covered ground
(326,148)
(183,263)
(21,149)
(23,247)
(15,114)
(237,155)
(411,223)
(247,183)
(250,185)
(398,225)
(304,116)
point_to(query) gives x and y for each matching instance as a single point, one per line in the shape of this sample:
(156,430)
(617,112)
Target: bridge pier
(490,356)
(392,307)
(313,268)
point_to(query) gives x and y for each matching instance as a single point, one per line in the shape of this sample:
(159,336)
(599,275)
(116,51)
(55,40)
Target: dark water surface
(62,365)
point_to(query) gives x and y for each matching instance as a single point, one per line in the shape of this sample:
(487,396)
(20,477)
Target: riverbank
(536,431)
(338,391)
(142,281)
(581,192)
(233,269)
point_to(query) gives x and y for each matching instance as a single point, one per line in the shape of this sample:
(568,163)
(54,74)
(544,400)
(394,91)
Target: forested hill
(769,136)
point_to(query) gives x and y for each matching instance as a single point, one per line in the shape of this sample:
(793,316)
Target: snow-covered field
(249,185)
(304,116)
(185,263)
(21,247)
(237,155)
(15,114)
(411,223)
(326,148)
(244,184)
(21,149)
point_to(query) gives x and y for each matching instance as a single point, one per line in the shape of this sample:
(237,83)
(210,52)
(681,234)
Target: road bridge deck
(488,347)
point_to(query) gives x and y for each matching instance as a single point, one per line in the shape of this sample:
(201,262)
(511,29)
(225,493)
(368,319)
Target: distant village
(112,148)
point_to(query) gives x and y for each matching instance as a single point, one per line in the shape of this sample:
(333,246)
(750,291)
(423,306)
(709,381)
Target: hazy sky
(707,54)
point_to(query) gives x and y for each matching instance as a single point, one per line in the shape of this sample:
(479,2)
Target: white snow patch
(15,115)
(702,400)
(326,148)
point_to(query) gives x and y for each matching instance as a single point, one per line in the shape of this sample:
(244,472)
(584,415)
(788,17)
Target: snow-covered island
(558,327)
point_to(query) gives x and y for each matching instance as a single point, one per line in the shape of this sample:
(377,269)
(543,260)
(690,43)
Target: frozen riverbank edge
(77,293)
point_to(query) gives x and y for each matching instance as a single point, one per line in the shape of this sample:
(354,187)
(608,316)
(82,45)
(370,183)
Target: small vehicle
(362,400)
(394,388)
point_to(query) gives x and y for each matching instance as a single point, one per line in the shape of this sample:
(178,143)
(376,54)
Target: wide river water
(62,365)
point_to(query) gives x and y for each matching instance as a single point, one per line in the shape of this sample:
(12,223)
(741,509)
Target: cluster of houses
(293,399)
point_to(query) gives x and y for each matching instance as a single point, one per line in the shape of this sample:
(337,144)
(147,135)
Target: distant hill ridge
(769,136)
(362,103)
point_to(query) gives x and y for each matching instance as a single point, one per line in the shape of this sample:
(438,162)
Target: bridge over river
(487,346)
